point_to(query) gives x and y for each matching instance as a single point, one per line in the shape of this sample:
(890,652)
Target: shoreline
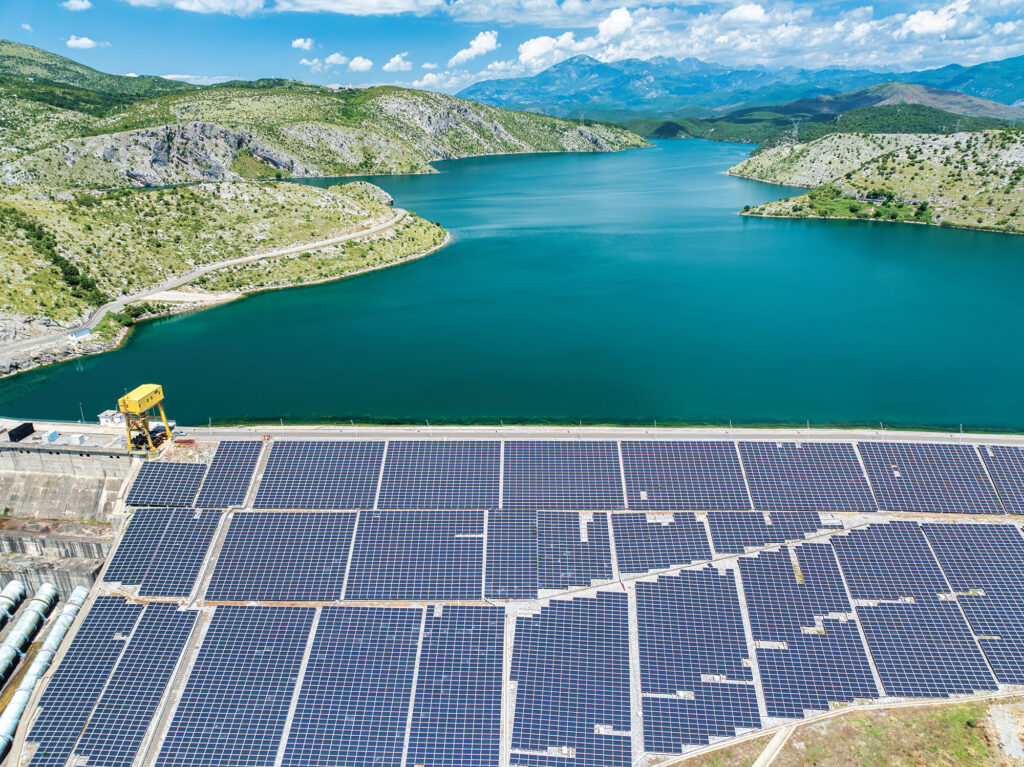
(989,230)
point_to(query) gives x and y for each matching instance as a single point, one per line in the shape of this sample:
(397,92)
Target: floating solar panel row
(441,475)
(646,542)
(234,706)
(806,476)
(283,556)
(354,701)
(160,483)
(562,475)
(735,531)
(1005,466)
(929,477)
(573,549)
(417,555)
(985,566)
(683,475)
(230,474)
(889,561)
(571,669)
(457,718)
(119,722)
(76,684)
(796,599)
(320,475)
(691,630)
(512,571)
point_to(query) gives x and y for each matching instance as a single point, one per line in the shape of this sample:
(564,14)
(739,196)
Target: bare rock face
(14,328)
(373,191)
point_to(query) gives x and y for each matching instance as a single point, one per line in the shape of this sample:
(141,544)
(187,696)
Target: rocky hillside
(973,180)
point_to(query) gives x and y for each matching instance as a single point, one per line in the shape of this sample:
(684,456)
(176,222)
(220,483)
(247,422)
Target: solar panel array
(230,474)
(735,531)
(571,668)
(320,475)
(696,675)
(806,476)
(283,556)
(512,570)
(646,542)
(441,475)
(1005,464)
(683,475)
(162,483)
(572,549)
(910,476)
(562,475)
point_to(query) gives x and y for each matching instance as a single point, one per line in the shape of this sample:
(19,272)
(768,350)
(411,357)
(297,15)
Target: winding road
(118,304)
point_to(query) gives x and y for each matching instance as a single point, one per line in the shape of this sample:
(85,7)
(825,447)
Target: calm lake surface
(608,288)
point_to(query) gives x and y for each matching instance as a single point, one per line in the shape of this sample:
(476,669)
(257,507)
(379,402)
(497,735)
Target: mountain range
(668,87)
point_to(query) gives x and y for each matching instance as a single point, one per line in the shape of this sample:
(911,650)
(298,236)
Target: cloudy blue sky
(447,44)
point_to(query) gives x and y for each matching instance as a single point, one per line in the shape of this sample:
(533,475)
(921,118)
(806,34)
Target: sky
(448,44)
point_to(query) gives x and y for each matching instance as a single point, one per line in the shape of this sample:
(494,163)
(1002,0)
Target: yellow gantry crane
(137,406)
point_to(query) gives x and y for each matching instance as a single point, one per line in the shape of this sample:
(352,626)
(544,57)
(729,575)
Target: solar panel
(457,718)
(806,476)
(1005,464)
(234,706)
(985,565)
(354,701)
(571,668)
(733,532)
(230,474)
(283,556)
(562,475)
(655,541)
(696,676)
(79,678)
(320,475)
(909,476)
(511,555)
(119,722)
(441,475)
(428,554)
(811,654)
(572,549)
(160,483)
(135,550)
(683,475)
(179,556)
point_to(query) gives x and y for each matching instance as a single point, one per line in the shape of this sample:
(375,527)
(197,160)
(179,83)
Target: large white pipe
(12,714)
(10,598)
(29,622)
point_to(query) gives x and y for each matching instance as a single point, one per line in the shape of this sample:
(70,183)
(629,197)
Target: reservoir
(607,288)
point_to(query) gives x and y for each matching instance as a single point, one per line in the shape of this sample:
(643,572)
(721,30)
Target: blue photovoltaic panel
(911,476)
(655,541)
(441,475)
(573,549)
(691,627)
(511,555)
(320,475)
(457,718)
(119,723)
(924,649)
(230,474)
(138,543)
(233,709)
(806,476)
(683,475)
(985,565)
(889,561)
(161,483)
(179,557)
(735,531)
(571,668)
(803,604)
(354,702)
(1006,468)
(562,475)
(283,556)
(426,554)
(77,682)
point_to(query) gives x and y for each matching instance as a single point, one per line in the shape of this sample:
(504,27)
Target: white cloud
(315,65)
(199,79)
(236,7)
(130,74)
(77,5)
(335,60)
(483,43)
(359,64)
(448,81)
(359,7)
(85,43)
(748,13)
(398,63)
(617,23)
(303,43)
(27,27)
(428,65)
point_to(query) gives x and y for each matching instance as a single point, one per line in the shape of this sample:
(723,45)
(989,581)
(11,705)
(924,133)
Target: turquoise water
(607,288)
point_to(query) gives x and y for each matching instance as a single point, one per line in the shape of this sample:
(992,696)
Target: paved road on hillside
(174,282)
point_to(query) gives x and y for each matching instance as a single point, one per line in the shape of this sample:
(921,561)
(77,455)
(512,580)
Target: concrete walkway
(174,282)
